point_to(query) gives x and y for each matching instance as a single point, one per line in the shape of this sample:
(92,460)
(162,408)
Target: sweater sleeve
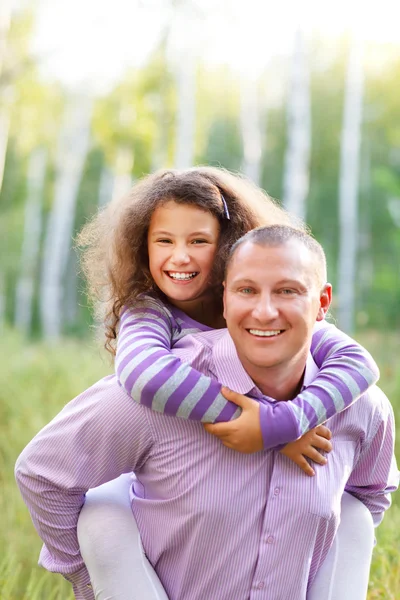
(346,372)
(153,376)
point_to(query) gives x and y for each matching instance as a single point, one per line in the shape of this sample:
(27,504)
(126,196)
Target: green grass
(37,380)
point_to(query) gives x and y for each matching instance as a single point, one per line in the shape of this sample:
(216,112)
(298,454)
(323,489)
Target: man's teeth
(183,276)
(261,333)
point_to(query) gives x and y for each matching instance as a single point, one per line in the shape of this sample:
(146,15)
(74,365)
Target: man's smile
(265,333)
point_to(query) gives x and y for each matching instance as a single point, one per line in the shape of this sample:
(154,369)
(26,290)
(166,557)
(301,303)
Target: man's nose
(266,309)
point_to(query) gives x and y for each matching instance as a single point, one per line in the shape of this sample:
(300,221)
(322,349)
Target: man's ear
(325,301)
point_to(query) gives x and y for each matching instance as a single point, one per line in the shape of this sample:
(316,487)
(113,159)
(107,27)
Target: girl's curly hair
(114,256)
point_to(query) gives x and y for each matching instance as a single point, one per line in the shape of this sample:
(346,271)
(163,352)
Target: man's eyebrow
(243,280)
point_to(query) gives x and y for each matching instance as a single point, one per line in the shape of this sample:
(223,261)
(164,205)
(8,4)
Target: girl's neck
(206,310)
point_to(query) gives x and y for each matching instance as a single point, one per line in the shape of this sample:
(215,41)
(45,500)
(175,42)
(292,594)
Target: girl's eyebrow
(192,233)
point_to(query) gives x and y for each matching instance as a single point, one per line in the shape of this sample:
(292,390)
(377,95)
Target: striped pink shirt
(214,523)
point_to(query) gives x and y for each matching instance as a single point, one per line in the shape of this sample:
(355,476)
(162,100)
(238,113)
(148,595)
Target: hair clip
(226,211)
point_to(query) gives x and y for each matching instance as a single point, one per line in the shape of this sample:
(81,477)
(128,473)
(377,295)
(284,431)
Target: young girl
(158,258)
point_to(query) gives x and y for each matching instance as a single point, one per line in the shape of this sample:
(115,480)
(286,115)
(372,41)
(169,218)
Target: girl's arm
(153,376)
(346,372)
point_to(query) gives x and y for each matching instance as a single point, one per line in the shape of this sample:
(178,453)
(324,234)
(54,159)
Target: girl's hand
(244,433)
(307,447)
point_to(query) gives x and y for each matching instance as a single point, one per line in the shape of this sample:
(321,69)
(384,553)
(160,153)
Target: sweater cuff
(278,424)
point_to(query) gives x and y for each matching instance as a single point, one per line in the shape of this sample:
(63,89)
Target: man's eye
(246,291)
(287,292)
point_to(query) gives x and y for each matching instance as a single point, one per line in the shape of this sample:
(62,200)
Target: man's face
(272,300)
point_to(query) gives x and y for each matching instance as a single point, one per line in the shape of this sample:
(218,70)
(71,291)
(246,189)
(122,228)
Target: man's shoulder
(108,391)
(375,401)
(201,339)
(365,416)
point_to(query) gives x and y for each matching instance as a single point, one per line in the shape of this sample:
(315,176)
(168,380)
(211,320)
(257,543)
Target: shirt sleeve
(83,447)
(153,376)
(375,475)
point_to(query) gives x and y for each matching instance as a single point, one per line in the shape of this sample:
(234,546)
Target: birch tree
(250,121)
(71,154)
(184,41)
(106,186)
(122,172)
(349,185)
(185,119)
(31,240)
(297,158)
(5,96)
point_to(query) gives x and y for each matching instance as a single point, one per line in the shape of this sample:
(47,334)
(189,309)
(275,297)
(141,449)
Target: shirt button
(260,586)
(276,491)
(270,539)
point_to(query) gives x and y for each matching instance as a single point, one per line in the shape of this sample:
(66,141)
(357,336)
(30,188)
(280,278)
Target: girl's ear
(223,298)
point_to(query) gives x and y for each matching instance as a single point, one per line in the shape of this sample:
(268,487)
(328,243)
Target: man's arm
(96,437)
(375,475)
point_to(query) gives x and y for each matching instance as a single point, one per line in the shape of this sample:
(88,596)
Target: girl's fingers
(323,431)
(316,456)
(322,444)
(305,466)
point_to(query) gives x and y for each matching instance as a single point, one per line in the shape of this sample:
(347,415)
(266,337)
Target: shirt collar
(310,373)
(230,371)
(228,368)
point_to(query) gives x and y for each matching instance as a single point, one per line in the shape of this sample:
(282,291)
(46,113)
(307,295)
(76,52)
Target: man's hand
(244,433)
(307,446)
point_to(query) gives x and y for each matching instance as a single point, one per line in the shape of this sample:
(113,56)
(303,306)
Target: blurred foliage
(139,114)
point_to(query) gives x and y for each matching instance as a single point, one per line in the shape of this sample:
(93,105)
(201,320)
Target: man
(218,524)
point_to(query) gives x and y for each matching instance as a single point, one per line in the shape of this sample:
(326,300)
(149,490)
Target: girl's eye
(199,241)
(164,241)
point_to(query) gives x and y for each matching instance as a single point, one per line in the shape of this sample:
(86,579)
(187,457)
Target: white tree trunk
(296,174)
(4,131)
(185,124)
(106,187)
(31,241)
(349,185)
(122,180)
(250,121)
(2,300)
(72,151)
(5,20)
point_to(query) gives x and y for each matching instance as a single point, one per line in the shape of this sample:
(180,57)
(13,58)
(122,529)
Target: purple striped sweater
(154,377)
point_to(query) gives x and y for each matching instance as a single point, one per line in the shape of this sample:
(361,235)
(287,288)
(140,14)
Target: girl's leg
(111,547)
(345,572)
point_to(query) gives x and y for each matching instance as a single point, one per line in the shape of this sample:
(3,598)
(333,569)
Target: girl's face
(182,243)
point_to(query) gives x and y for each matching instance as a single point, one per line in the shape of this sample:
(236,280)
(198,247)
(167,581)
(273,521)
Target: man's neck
(282,382)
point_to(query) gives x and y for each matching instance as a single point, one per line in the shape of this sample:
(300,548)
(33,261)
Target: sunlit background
(302,97)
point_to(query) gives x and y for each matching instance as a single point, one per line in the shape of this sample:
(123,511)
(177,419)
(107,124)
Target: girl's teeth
(264,333)
(184,276)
